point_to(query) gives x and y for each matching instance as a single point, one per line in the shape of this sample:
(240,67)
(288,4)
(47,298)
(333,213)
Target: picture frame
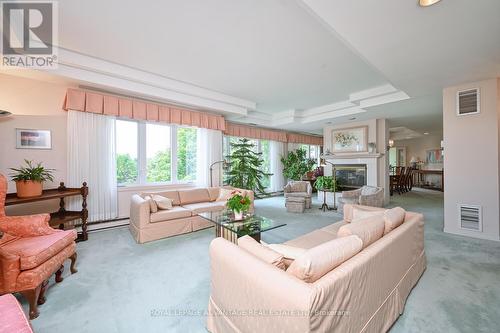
(33,139)
(434,156)
(350,140)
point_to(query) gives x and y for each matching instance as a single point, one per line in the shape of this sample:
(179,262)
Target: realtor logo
(29,31)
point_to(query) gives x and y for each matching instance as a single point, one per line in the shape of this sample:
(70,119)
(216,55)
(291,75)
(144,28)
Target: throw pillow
(369,229)
(289,252)
(224,194)
(153,207)
(393,218)
(260,251)
(320,260)
(162,202)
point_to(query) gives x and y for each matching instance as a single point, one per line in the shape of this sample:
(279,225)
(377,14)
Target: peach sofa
(365,293)
(147,226)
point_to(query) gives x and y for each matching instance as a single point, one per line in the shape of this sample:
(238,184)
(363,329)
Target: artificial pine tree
(245,167)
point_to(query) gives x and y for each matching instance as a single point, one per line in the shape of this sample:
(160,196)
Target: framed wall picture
(33,139)
(434,156)
(350,140)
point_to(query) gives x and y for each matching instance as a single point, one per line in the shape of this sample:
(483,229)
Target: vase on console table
(238,216)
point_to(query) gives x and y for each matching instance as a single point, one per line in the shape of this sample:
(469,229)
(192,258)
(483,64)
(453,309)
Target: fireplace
(350,176)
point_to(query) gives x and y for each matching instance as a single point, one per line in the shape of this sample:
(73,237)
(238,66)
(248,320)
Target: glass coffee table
(251,224)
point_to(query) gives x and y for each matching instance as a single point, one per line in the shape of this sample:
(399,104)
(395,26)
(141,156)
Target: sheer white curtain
(92,158)
(209,144)
(277,150)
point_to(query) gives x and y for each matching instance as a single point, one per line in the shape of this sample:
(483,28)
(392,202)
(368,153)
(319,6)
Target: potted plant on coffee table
(238,204)
(29,179)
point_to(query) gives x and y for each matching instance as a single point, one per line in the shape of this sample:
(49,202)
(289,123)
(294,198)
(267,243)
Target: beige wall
(471,159)
(38,104)
(418,147)
(34,105)
(378,133)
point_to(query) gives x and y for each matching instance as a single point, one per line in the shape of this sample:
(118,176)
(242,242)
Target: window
(158,153)
(152,153)
(126,152)
(186,154)
(260,146)
(312,152)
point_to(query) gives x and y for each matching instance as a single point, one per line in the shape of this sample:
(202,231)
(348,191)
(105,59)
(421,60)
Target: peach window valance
(251,132)
(87,101)
(305,139)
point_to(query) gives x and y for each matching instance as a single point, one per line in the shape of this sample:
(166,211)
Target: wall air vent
(468,102)
(471,217)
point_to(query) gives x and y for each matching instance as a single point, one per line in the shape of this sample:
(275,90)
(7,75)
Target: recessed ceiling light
(426,133)
(427,3)
(352,118)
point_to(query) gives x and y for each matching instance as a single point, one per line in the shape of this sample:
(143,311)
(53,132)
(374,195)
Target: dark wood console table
(420,175)
(62,217)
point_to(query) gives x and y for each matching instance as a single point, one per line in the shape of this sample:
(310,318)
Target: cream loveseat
(146,226)
(365,293)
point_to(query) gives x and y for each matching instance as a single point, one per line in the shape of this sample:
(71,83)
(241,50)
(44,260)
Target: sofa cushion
(34,251)
(359,213)
(202,207)
(349,208)
(225,194)
(176,212)
(162,202)
(194,196)
(334,227)
(288,251)
(174,195)
(393,218)
(153,207)
(297,194)
(213,192)
(311,239)
(316,262)
(369,229)
(260,251)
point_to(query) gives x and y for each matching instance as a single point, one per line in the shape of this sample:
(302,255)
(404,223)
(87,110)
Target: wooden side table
(62,217)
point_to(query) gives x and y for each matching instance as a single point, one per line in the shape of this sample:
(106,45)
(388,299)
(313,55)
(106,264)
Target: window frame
(142,155)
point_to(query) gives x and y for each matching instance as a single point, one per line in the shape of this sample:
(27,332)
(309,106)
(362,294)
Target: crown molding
(112,76)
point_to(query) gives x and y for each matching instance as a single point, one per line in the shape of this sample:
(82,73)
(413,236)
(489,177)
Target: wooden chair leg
(32,296)
(41,297)
(59,272)
(72,268)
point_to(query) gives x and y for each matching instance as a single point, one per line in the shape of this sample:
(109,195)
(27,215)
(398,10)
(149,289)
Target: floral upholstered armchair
(366,196)
(30,252)
(299,189)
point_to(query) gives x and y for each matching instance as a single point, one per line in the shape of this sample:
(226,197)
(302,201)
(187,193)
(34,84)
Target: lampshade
(391,143)
(413,159)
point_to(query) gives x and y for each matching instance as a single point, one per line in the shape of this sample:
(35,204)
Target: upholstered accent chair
(366,196)
(301,189)
(13,318)
(30,252)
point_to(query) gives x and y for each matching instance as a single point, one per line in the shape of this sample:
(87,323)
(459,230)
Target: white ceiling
(283,63)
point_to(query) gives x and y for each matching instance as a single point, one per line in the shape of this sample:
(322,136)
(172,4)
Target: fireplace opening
(350,177)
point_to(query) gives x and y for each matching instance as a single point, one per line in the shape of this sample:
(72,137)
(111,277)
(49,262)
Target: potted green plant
(325,183)
(29,179)
(246,168)
(296,164)
(238,204)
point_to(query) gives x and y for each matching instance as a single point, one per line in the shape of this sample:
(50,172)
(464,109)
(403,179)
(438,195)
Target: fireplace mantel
(353,156)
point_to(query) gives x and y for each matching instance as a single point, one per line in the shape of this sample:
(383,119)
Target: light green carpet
(125,287)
